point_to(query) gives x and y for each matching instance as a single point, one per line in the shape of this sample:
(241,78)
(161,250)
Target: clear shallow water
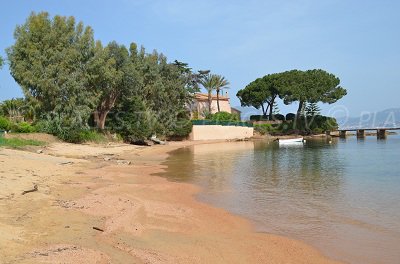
(343,197)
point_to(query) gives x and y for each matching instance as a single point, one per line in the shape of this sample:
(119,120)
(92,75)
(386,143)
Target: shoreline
(144,218)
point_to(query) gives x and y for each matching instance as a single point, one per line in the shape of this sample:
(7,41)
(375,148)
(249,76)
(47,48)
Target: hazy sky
(359,41)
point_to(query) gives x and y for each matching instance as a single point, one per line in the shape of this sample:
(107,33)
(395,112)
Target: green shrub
(225,116)
(316,124)
(64,130)
(23,127)
(91,136)
(263,128)
(259,118)
(290,117)
(182,128)
(324,123)
(279,117)
(195,115)
(5,123)
(208,115)
(133,121)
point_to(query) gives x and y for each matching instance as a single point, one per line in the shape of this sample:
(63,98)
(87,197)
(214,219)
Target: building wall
(211,132)
(202,106)
(223,105)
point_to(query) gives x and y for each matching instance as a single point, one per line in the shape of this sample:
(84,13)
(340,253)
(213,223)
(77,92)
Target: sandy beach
(101,204)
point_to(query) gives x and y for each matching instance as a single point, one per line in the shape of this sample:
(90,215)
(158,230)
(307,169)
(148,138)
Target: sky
(358,41)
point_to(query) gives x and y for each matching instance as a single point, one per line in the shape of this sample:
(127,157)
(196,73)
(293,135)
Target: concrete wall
(210,132)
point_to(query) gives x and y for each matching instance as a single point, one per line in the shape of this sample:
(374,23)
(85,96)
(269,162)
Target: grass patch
(92,136)
(19,143)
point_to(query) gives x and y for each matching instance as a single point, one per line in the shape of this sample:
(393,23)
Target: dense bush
(133,121)
(5,123)
(182,128)
(263,128)
(279,117)
(272,129)
(316,125)
(290,117)
(208,116)
(65,129)
(225,116)
(324,123)
(23,127)
(259,118)
(267,117)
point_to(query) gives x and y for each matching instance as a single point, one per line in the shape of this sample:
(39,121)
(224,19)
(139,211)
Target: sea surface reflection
(342,196)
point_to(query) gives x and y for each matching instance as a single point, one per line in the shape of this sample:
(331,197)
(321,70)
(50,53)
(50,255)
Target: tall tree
(1,62)
(209,84)
(312,109)
(49,60)
(276,110)
(191,79)
(213,82)
(161,88)
(112,75)
(262,91)
(310,86)
(220,83)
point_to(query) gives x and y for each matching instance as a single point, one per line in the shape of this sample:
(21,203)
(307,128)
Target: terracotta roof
(204,97)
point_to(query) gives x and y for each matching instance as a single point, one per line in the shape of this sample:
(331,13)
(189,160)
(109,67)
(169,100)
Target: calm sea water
(342,197)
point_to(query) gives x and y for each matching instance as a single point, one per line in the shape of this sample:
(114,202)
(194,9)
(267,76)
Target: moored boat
(291,140)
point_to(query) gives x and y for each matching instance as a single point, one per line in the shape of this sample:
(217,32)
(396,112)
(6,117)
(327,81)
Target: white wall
(211,132)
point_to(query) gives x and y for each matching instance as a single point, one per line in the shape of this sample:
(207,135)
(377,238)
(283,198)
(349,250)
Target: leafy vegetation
(225,116)
(5,123)
(23,127)
(69,79)
(306,87)
(312,109)
(262,91)
(305,125)
(78,89)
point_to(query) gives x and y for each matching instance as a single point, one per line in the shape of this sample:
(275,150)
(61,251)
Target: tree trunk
(209,102)
(298,115)
(218,100)
(265,111)
(301,103)
(102,111)
(100,118)
(271,108)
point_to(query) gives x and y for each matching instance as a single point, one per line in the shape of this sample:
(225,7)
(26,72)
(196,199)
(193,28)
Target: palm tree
(214,82)
(208,83)
(220,83)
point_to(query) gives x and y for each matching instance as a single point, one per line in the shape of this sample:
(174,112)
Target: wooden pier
(360,132)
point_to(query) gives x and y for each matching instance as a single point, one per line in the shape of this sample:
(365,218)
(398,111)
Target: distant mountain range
(385,118)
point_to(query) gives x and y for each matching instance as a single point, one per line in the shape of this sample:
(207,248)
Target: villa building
(199,107)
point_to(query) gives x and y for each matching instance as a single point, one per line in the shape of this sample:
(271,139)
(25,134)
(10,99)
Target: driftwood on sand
(35,189)
(98,229)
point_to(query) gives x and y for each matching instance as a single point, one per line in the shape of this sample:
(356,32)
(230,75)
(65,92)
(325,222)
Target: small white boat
(291,141)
